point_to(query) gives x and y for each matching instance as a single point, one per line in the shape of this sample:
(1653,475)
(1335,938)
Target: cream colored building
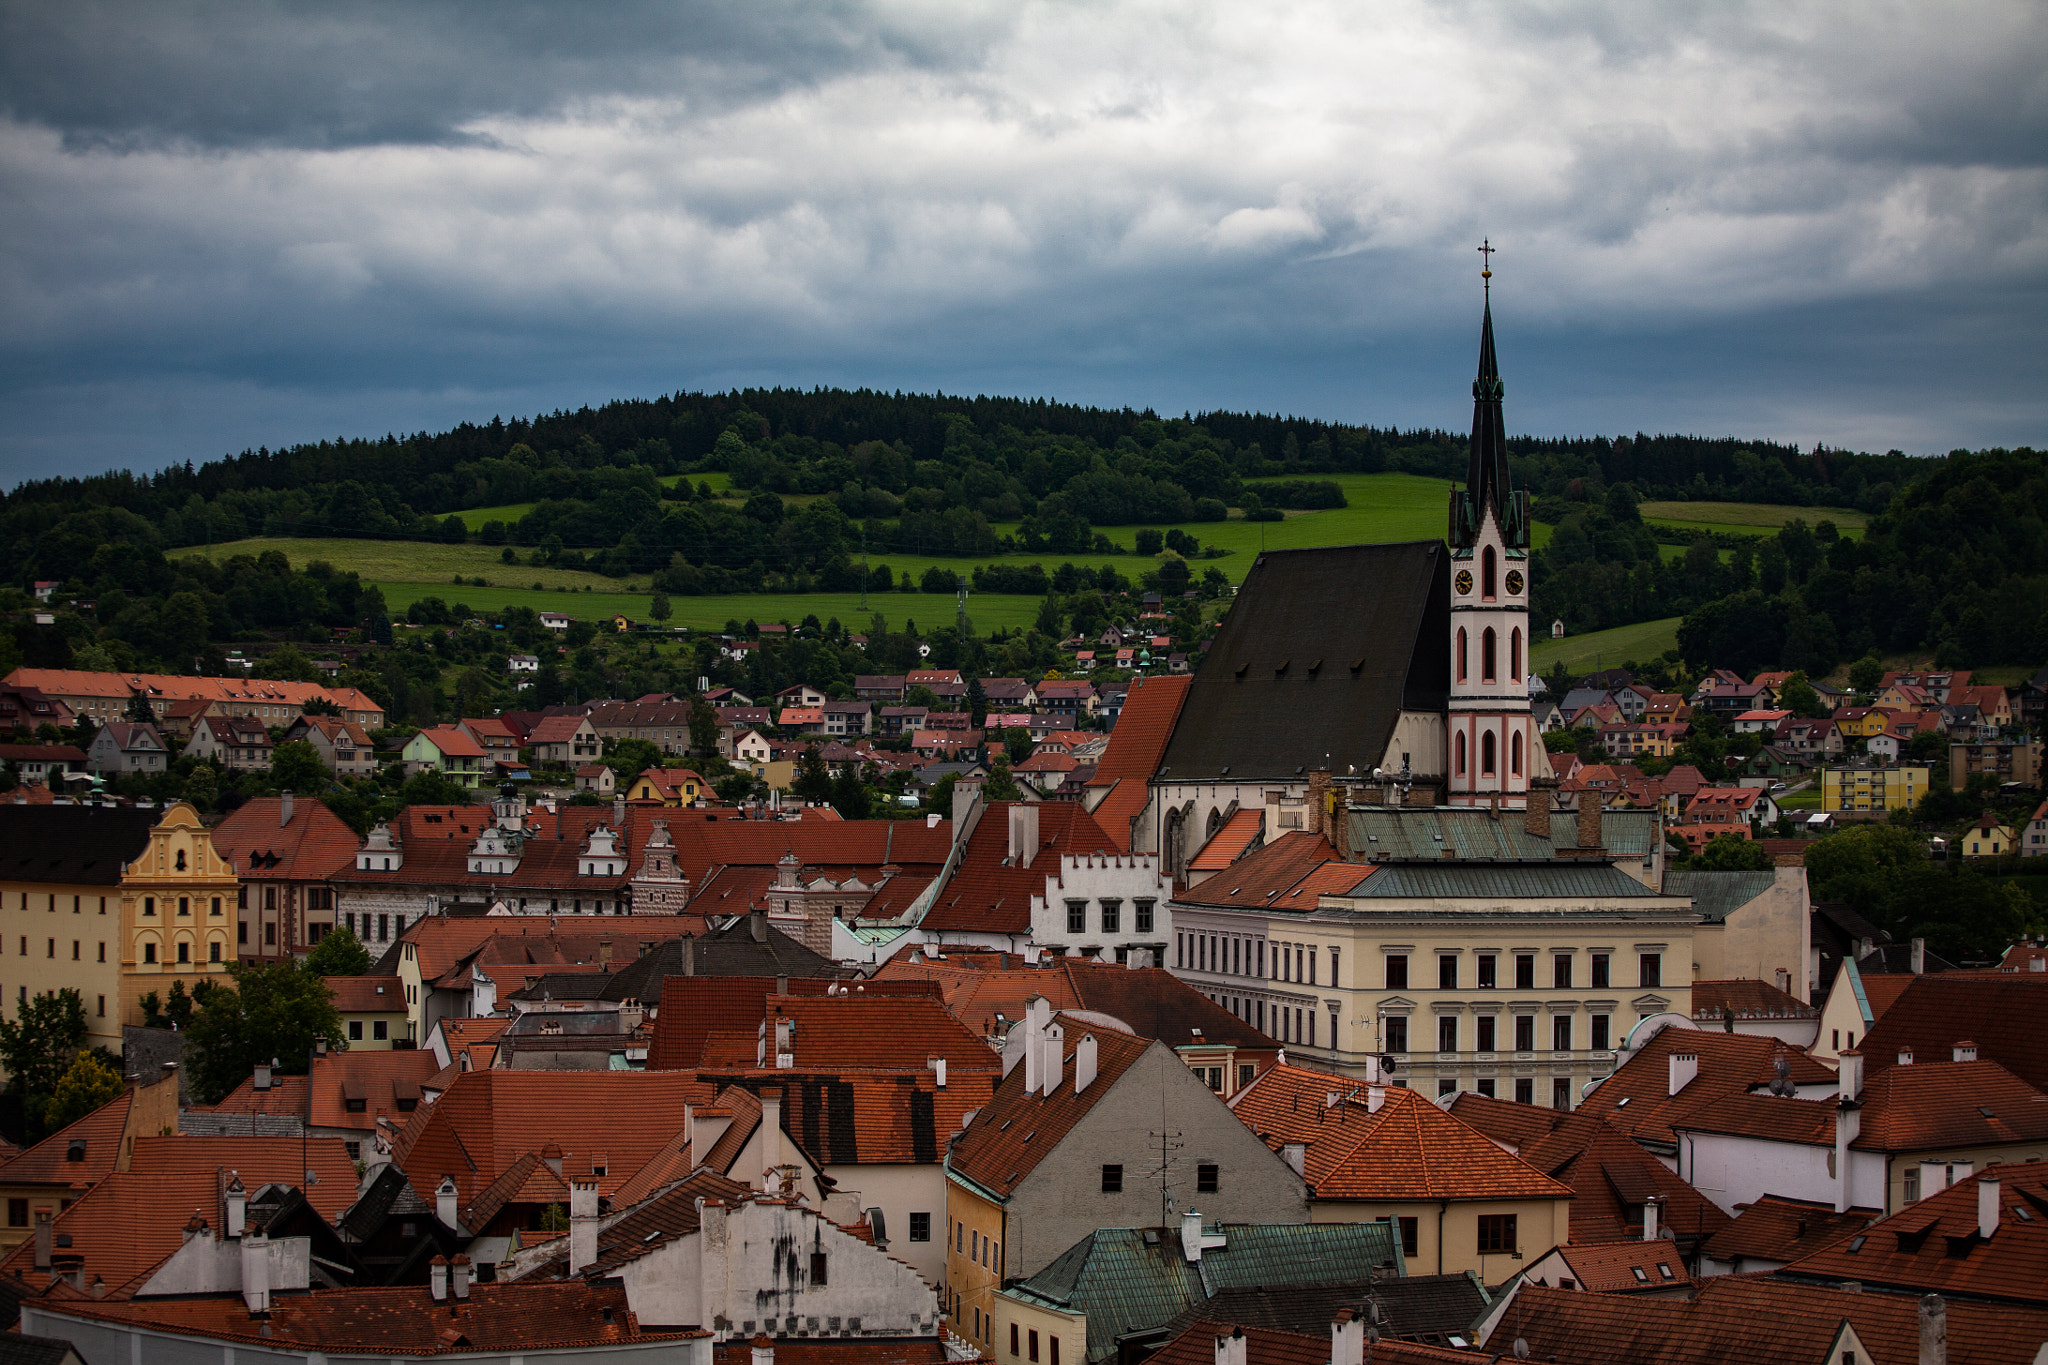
(1853,789)
(112,902)
(1501,955)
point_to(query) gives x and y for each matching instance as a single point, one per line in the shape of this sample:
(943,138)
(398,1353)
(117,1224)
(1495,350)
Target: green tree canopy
(38,1046)
(273,1013)
(88,1084)
(295,766)
(340,953)
(1731,853)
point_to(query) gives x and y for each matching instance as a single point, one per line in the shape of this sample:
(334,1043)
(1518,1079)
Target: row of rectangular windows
(1486,1037)
(1111,916)
(1247,957)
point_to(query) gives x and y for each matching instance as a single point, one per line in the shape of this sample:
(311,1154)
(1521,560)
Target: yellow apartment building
(1854,789)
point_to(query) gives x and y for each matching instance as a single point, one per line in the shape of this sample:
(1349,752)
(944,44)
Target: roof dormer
(495,852)
(601,855)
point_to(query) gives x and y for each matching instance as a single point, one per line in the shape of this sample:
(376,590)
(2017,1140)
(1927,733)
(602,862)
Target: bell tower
(1493,747)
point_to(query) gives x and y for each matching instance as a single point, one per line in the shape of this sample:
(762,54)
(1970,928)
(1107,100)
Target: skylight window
(1642,1276)
(1856,1242)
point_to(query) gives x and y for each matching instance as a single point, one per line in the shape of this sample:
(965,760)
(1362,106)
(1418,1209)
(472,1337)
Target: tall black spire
(1486,478)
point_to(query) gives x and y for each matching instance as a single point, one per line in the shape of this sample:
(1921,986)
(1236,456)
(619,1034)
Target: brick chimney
(1316,817)
(1536,817)
(1590,835)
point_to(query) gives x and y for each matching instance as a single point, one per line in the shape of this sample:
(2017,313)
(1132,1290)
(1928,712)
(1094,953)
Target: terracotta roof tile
(1746,999)
(1933,1246)
(1136,745)
(1281,867)
(2000,1011)
(1611,1177)
(1637,1098)
(1767,1118)
(367,994)
(1778,1229)
(48,1162)
(1407,1149)
(497,1319)
(694,1007)
(1230,841)
(1949,1104)
(1268,1346)
(1514,1126)
(987,895)
(1625,1267)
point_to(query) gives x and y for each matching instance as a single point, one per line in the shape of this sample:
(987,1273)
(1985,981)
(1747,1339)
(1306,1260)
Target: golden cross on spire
(1486,250)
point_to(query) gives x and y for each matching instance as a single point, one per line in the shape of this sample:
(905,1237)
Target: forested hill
(878,454)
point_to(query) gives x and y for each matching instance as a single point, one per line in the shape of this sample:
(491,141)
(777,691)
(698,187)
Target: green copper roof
(1427,832)
(1716,895)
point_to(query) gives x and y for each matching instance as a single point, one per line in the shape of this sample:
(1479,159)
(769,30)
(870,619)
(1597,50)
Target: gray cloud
(383,210)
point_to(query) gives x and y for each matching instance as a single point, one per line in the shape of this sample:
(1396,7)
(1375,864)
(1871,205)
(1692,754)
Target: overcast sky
(238,224)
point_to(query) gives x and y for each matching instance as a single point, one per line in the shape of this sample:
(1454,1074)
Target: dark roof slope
(2002,1013)
(1775,1228)
(1933,1246)
(1321,652)
(71,845)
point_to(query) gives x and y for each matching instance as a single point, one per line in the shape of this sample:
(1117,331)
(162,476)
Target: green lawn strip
(475,517)
(986,612)
(1605,648)
(1749,518)
(416,561)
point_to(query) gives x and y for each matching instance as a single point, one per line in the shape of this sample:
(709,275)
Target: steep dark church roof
(1321,653)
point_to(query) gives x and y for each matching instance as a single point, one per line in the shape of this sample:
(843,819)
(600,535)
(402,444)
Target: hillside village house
(671,787)
(665,725)
(236,742)
(498,740)
(106,696)
(344,746)
(112,902)
(43,765)
(448,750)
(564,741)
(121,747)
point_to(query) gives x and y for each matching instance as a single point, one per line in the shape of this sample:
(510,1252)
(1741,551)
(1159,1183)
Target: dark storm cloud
(240,225)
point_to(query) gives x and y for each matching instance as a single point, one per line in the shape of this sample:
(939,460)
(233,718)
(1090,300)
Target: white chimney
(1966,1051)
(1375,1097)
(238,1206)
(764,1351)
(1684,1066)
(255,1272)
(1651,1209)
(1919,956)
(284,810)
(1055,1055)
(1849,1075)
(458,1276)
(1987,1208)
(437,1278)
(1848,1124)
(1035,1014)
(939,1069)
(262,1081)
(1347,1338)
(1905,1056)
(444,1202)
(1784,981)
(1295,1154)
(1933,1330)
(1023,834)
(1191,1239)
(583,1223)
(1084,1062)
(1230,1349)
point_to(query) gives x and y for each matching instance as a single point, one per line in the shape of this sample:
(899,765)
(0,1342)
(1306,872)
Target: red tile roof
(1013,1133)
(1746,999)
(1611,1179)
(1230,841)
(367,994)
(2000,1011)
(1637,1098)
(498,1319)
(313,847)
(1269,1346)
(989,895)
(693,1008)
(1407,1149)
(1778,1229)
(1949,1104)
(380,1080)
(1136,745)
(1293,869)
(1515,1126)
(1767,1118)
(126,1224)
(1933,1247)
(68,682)
(487,1120)
(1625,1267)
(556,730)
(453,741)
(48,1161)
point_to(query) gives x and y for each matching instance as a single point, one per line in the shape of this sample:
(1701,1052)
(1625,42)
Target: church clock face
(1464,582)
(1514,582)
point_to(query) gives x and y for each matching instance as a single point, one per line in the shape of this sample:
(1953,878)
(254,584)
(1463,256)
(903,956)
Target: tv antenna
(1169,1143)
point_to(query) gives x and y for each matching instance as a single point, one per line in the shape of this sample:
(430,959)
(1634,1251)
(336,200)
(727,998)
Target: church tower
(1493,747)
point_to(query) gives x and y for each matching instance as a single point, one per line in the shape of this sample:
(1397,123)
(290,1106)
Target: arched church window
(1461,654)
(1515,754)
(1515,655)
(1486,754)
(1486,655)
(1459,746)
(1486,572)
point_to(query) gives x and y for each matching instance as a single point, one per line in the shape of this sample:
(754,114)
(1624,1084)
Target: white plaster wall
(899,1191)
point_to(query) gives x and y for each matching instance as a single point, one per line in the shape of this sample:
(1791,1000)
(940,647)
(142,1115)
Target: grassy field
(1606,648)
(432,566)
(986,612)
(1749,518)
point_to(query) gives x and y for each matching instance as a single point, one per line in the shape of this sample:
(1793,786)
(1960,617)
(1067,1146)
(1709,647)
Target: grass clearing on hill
(986,612)
(1605,648)
(1749,518)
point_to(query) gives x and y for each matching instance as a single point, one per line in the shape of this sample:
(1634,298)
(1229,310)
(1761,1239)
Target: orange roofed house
(286,852)
(1377,1152)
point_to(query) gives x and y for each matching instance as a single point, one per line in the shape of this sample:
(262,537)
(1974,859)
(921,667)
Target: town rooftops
(263,846)
(1143,727)
(1743,998)
(71,682)
(1637,1098)
(1999,1011)
(1611,1177)
(1382,1142)
(991,894)
(1778,1229)
(1013,1133)
(1939,1246)
(1322,651)
(1201,1339)
(1624,1267)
